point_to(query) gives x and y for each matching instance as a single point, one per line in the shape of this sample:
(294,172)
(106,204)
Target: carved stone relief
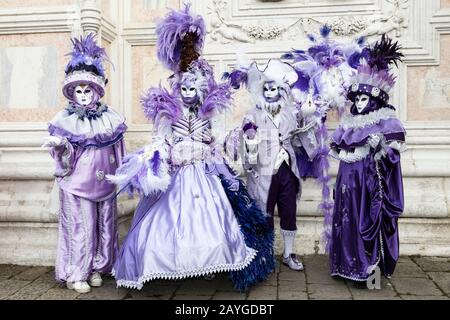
(225,31)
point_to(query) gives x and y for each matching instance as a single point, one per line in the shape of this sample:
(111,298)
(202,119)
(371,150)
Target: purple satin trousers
(88,238)
(283,194)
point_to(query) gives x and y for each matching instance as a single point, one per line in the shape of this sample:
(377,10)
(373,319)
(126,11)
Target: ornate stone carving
(348,25)
(395,20)
(345,26)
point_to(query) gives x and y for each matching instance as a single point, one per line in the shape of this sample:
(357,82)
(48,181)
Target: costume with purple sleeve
(91,147)
(325,72)
(369,190)
(271,131)
(195,217)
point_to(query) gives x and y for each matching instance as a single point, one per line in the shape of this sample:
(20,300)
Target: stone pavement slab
(315,268)
(293,286)
(8,271)
(424,297)
(329,292)
(386,292)
(292,295)
(409,270)
(416,286)
(261,292)
(416,278)
(34,290)
(10,287)
(442,279)
(436,264)
(32,274)
(272,280)
(59,293)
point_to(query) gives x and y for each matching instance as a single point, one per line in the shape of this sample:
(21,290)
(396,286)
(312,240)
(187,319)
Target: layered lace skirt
(190,230)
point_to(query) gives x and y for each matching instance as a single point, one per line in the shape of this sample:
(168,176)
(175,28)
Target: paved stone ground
(421,278)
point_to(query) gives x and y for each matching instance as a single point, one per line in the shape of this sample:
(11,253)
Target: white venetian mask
(84,95)
(361,102)
(271,92)
(189,94)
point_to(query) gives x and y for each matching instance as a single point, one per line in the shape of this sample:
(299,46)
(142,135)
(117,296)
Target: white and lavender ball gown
(193,227)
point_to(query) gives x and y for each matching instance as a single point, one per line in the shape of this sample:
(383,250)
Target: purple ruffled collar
(355,130)
(106,128)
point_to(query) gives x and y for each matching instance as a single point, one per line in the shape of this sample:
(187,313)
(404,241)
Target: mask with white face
(84,95)
(271,92)
(361,102)
(189,94)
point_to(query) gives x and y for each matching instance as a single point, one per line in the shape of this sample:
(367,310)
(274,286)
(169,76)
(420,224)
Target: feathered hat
(374,77)
(181,36)
(254,75)
(323,60)
(85,66)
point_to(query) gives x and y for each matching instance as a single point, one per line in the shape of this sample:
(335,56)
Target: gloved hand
(52,142)
(309,107)
(374,140)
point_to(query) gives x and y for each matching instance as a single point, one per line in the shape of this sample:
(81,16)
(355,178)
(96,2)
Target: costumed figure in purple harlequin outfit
(270,132)
(86,142)
(369,189)
(195,217)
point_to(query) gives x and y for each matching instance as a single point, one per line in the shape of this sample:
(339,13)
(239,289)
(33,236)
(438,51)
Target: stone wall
(34,38)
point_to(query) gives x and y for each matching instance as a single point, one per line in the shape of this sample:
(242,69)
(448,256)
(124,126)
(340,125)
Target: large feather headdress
(85,66)
(323,69)
(181,36)
(374,65)
(253,76)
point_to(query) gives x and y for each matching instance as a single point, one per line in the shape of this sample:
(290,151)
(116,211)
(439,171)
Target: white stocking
(289,240)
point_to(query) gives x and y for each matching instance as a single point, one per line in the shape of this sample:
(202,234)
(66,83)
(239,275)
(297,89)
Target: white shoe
(96,280)
(80,286)
(293,263)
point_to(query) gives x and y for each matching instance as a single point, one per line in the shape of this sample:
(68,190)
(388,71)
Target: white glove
(252,158)
(252,146)
(374,140)
(309,107)
(52,142)
(380,155)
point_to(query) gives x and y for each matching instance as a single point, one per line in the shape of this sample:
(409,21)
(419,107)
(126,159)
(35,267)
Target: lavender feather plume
(171,31)
(325,31)
(160,106)
(86,54)
(237,78)
(217,101)
(145,178)
(155,162)
(127,175)
(323,178)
